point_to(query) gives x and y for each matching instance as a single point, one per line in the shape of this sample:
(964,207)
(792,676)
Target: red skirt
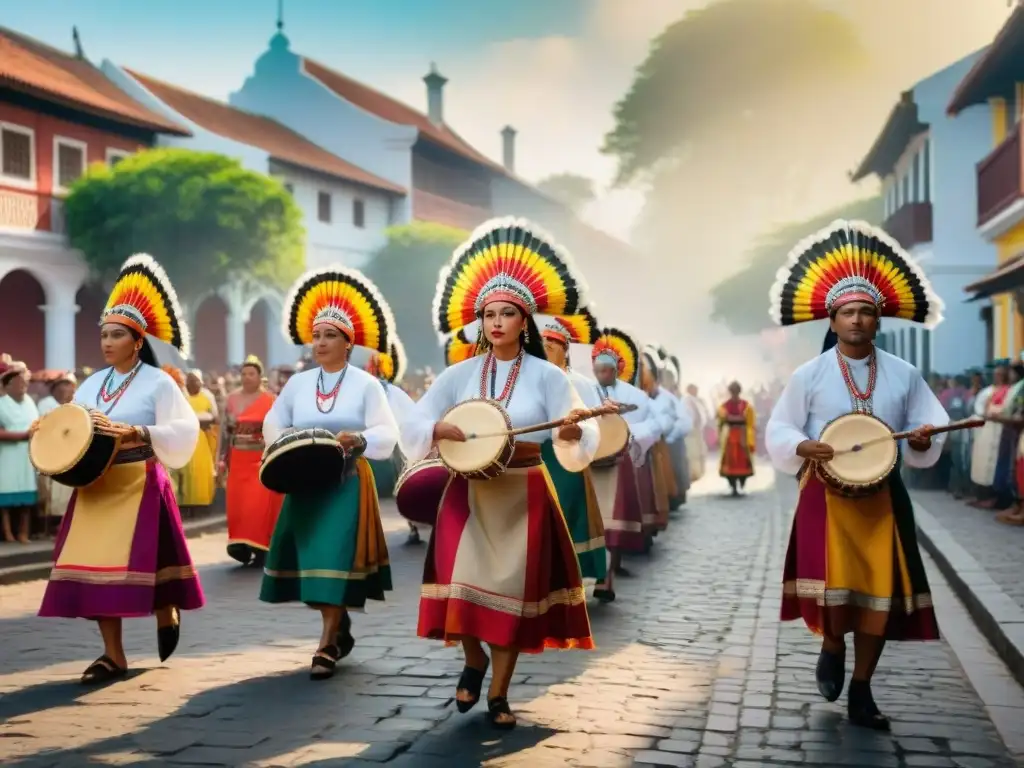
(501,566)
(736,459)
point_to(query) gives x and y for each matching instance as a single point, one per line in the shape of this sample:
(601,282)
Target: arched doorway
(257,339)
(210,335)
(91,299)
(22,322)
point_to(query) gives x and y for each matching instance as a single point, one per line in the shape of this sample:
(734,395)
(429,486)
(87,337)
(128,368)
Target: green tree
(569,188)
(741,300)
(202,215)
(406,270)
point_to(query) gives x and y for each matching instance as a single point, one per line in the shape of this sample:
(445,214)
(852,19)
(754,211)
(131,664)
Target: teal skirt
(576,497)
(328,547)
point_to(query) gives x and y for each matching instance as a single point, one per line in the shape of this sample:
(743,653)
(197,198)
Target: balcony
(999,179)
(31,210)
(911,224)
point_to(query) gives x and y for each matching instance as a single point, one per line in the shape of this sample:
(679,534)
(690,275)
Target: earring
(526,335)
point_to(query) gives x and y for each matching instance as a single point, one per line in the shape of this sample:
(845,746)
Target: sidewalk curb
(39,567)
(999,618)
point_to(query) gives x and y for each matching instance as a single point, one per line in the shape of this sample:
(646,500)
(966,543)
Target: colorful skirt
(736,459)
(648,497)
(618,498)
(853,565)
(578,500)
(501,566)
(252,509)
(328,547)
(121,550)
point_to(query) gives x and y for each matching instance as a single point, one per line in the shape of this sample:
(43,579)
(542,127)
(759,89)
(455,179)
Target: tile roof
(996,70)
(29,66)
(281,142)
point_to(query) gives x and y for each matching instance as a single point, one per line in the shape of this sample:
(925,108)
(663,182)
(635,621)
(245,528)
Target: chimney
(435,96)
(508,148)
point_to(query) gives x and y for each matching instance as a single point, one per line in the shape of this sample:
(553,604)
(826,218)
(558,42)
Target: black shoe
(604,595)
(167,637)
(830,674)
(472,681)
(344,640)
(414,538)
(861,707)
(240,552)
(259,558)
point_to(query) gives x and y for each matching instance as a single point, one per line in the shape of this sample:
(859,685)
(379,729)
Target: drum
(862,472)
(479,458)
(74,445)
(304,460)
(419,490)
(614,440)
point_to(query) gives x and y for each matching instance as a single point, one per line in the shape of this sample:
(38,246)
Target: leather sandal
(472,681)
(497,707)
(103,670)
(324,663)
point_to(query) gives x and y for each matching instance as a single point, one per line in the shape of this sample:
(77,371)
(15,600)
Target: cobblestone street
(692,669)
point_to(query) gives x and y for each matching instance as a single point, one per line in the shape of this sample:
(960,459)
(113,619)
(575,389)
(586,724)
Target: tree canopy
(202,215)
(569,188)
(406,270)
(741,300)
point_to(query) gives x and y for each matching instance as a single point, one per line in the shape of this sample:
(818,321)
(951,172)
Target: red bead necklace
(113,398)
(491,367)
(851,385)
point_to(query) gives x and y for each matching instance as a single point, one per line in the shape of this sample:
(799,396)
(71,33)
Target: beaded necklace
(491,367)
(862,402)
(113,398)
(322,397)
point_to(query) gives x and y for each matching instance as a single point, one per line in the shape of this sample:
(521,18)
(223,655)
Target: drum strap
(525,455)
(132,455)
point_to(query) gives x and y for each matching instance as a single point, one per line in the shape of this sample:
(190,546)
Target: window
(323,207)
(68,161)
(115,156)
(358,213)
(17,153)
(290,189)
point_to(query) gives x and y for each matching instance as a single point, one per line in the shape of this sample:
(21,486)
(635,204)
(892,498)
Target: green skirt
(328,547)
(578,501)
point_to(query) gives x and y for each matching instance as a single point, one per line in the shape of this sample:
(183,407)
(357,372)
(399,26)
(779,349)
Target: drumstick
(953,427)
(593,413)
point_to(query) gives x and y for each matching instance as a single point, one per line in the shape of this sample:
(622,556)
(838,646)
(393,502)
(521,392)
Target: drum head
(479,417)
(614,436)
(870,464)
(62,439)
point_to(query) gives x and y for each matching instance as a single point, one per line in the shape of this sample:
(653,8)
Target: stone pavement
(692,669)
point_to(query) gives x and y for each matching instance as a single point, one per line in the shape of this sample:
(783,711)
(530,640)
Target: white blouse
(152,400)
(817,394)
(542,393)
(361,406)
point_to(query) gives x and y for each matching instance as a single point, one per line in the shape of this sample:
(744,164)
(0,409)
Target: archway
(210,335)
(257,331)
(91,299)
(22,322)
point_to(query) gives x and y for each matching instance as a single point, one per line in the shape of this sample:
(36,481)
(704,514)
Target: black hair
(7,376)
(1018,368)
(257,366)
(529,340)
(146,354)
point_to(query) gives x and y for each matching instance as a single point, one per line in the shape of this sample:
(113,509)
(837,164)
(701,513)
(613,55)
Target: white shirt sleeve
(176,432)
(381,432)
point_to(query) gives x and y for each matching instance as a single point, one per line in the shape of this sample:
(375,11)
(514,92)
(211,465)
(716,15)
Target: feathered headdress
(389,367)
(618,349)
(509,260)
(254,362)
(344,299)
(852,261)
(458,347)
(144,300)
(571,329)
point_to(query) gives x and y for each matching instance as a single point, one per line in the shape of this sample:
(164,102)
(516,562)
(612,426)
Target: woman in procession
(252,509)
(655,477)
(328,548)
(19,489)
(121,551)
(500,567)
(575,490)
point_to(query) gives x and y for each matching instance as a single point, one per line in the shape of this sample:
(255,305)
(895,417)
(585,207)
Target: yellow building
(997,78)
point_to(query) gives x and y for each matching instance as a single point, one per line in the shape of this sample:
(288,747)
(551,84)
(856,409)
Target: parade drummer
(389,369)
(252,509)
(500,567)
(121,551)
(853,563)
(575,490)
(738,437)
(616,361)
(328,549)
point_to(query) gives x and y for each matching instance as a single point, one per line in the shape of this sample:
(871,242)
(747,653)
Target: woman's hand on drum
(921,438)
(815,451)
(445,431)
(350,441)
(32,428)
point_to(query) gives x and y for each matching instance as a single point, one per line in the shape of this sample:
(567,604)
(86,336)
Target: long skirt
(696,454)
(252,509)
(121,550)
(618,498)
(680,469)
(578,500)
(329,547)
(736,459)
(853,565)
(199,476)
(501,567)
(646,490)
